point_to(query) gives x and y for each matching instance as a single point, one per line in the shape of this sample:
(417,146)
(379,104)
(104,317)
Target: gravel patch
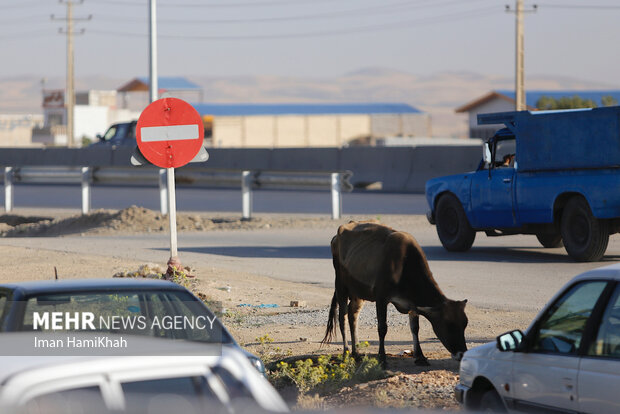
(318,317)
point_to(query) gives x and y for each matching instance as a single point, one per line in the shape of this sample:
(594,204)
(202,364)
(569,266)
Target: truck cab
(547,173)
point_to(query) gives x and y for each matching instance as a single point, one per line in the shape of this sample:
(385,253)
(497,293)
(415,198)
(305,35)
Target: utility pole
(153,87)
(519,78)
(174,263)
(70,88)
(519,58)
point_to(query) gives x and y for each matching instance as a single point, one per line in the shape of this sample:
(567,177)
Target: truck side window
(505,153)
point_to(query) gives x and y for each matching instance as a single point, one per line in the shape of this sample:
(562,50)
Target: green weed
(326,373)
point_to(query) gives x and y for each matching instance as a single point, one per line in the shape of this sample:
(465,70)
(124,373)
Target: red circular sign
(169,132)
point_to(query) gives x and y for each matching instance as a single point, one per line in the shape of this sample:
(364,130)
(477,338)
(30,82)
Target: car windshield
(165,314)
(118,132)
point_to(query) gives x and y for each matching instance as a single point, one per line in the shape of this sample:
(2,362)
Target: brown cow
(379,264)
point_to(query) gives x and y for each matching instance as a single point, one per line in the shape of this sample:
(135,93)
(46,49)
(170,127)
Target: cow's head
(449,322)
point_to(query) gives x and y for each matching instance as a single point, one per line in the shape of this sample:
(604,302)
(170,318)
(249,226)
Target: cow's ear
(464,302)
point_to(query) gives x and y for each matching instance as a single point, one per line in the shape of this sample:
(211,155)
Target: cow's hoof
(422,362)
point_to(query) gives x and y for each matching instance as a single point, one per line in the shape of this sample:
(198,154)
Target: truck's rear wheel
(550,240)
(585,237)
(453,228)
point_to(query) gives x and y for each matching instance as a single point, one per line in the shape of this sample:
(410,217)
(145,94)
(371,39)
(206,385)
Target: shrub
(326,373)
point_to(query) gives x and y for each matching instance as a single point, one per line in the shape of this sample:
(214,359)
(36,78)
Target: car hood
(488,350)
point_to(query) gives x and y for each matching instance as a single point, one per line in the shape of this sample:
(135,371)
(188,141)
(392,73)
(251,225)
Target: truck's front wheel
(585,237)
(453,228)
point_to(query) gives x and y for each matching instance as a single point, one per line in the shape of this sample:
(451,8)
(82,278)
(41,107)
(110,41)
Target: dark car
(119,134)
(149,299)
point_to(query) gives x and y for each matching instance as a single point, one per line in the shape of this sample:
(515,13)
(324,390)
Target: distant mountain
(438,94)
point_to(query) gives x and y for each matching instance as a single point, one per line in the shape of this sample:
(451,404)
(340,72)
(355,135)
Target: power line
(212,5)
(21,5)
(371,10)
(222,4)
(26,34)
(284,36)
(580,6)
(21,20)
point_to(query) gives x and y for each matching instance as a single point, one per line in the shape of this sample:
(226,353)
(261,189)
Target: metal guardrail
(249,180)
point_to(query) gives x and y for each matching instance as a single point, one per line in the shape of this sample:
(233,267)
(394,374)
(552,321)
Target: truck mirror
(486,153)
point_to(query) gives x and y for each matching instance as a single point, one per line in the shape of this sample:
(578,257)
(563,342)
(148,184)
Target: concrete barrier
(398,169)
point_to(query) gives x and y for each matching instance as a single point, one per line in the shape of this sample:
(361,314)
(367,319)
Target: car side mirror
(510,341)
(100,138)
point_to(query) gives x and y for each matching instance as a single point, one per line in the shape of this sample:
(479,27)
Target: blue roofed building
(504,100)
(284,124)
(310,124)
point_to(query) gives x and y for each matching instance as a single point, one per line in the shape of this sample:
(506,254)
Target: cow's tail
(331,321)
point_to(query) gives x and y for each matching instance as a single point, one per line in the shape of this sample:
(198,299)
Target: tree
(565,102)
(609,100)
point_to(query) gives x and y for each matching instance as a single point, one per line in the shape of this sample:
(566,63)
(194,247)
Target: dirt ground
(408,386)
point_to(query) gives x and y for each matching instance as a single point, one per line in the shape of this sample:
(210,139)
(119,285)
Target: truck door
(492,191)
(491,198)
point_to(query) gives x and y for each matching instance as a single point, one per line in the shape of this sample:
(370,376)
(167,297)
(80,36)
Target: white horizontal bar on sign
(169,133)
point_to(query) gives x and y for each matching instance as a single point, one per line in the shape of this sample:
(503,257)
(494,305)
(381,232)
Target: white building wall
(416,125)
(291,131)
(259,131)
(16,130)
(122,115)
(410,125)
(323,131)
(312,130)
(353,126)
(486,131)
(495,105)
(90,121)
(228,131)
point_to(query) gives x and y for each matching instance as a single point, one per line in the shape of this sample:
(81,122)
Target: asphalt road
(512,272)
(226,200)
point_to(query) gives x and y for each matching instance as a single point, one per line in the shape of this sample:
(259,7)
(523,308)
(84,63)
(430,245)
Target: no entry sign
(169,133)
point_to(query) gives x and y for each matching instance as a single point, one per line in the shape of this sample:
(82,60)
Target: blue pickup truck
(552,174)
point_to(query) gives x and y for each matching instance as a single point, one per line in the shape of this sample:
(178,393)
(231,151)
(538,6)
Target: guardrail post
(8,189)
(336,196)
(86,178)
(163,192)
(246,195)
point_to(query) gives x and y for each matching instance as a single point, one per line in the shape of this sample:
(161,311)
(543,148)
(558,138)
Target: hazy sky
(575,38)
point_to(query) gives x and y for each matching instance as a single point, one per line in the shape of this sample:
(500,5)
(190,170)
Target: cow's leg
(342,312)
(355,306)
(382,324)
(414,325)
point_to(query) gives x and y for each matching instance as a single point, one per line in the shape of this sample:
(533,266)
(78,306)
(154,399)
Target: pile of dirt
(138,220)
(431,390)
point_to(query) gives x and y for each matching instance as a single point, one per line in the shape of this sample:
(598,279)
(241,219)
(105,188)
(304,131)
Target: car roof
(158,351)
(76,285)
(611,272)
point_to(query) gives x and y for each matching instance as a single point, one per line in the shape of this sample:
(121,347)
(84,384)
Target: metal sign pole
(172,214)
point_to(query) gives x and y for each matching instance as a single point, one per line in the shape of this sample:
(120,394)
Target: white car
(187,378)
(568,360)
